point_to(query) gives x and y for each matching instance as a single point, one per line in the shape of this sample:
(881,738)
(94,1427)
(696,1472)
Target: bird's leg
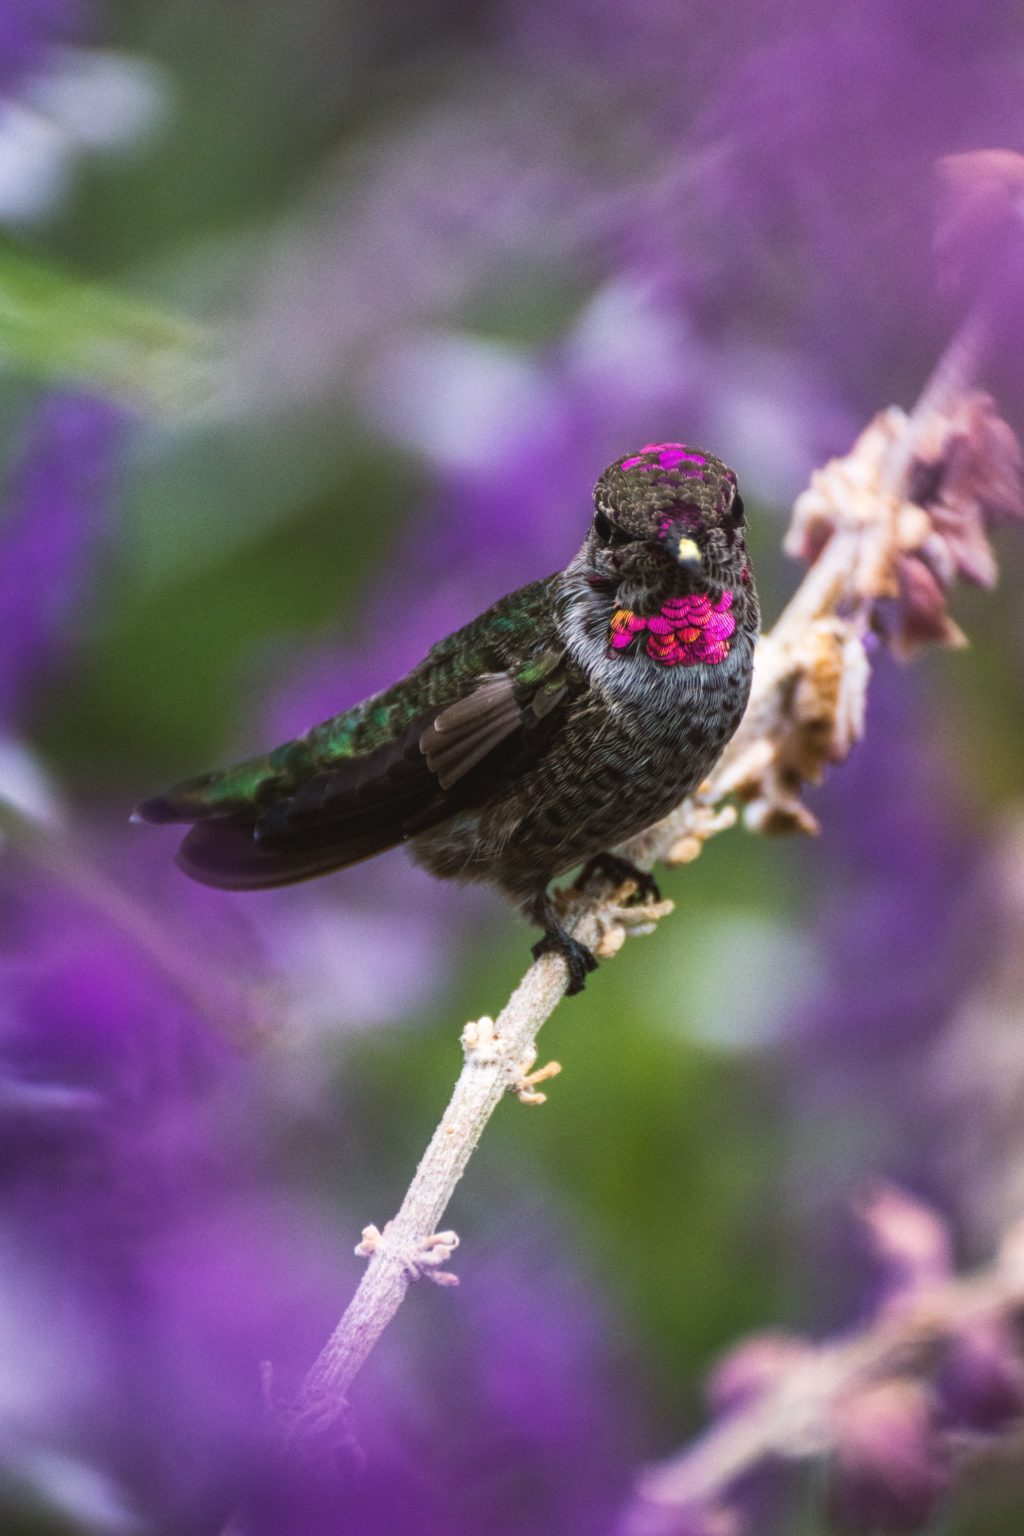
(611,870)
(578,958)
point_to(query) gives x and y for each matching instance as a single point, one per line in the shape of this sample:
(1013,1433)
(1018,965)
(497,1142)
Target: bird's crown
(667,480)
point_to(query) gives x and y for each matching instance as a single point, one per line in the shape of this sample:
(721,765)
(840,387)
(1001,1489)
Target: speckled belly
(602,782)
(592,795)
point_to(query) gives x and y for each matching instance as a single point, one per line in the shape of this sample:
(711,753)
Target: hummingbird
(564,720)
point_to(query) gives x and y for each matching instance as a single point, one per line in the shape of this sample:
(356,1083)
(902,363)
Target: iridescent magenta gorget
(686,631)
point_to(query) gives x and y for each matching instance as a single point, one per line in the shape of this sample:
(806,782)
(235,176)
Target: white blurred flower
(459,400)
(26,786)
(81,102)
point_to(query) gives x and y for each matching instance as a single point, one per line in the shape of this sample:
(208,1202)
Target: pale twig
(867,542)
(499,1057)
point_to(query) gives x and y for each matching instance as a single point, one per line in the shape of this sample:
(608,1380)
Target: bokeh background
(317,323)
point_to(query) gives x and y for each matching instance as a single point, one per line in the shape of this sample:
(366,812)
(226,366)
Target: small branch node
(425,1260)
(421,1259)
(524,1083)
(482,1045)
(373,1241)
(610,942)
(704,822)
(616,923)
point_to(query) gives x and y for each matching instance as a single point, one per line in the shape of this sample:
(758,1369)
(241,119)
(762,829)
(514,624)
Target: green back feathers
(505,638)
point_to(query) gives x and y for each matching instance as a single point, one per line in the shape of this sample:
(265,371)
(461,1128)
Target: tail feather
(227,855)
(275,820)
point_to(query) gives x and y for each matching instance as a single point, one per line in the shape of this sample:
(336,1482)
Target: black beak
(678,542)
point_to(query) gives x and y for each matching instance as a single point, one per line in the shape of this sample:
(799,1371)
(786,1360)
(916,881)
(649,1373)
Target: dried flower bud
(753,1367)
(966,475)
(889,1469)
(923,616)
(981,1383)
(846,492)
(915,540)
(830,697)
(820,718)
(910,1241)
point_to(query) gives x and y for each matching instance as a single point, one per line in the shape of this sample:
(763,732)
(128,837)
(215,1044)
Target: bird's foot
(610,870)
(578,958)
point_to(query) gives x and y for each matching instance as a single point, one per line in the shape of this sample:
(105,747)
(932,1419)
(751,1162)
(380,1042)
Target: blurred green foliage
(58,329)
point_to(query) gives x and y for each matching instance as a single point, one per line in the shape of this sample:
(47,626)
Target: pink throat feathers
(687,632)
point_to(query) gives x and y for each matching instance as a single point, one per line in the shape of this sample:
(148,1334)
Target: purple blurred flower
(161,1248)
(485,188)
(367,948)
(910,1243)
(896,874)
(28,27)
(752,1367)
(889,1469)
(113,1153)
(56,505)
(518,1421)
(643,1519)
(980,1385)
(787,157)
(892,1406)
(548,1380)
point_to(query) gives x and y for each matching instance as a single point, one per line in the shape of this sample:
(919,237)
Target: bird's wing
(446,759)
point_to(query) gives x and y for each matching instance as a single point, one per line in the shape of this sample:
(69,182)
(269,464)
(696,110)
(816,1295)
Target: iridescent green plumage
(508,637)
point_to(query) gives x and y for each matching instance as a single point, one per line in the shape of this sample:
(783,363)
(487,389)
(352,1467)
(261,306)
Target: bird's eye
(737,512)
(607,531)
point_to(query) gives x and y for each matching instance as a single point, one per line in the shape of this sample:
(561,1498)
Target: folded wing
(446,760)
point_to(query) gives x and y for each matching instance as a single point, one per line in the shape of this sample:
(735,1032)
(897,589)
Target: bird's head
(668,520)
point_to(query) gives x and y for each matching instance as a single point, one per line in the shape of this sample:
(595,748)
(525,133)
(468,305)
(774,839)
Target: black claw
(610,869)
(579,959)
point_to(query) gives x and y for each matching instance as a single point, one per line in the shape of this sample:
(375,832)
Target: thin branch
(499,1056)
